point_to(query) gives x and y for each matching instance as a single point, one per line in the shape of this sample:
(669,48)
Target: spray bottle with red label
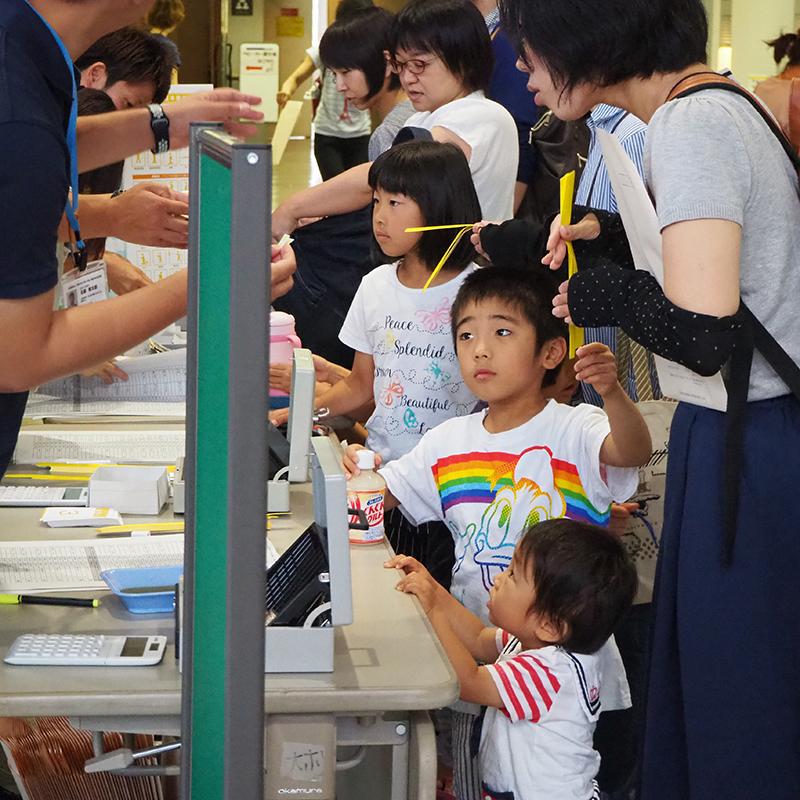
(365,491)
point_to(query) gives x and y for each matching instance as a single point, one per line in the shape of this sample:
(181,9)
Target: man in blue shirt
(37,343)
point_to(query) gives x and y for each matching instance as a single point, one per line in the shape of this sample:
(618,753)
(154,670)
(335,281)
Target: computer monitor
(294,449)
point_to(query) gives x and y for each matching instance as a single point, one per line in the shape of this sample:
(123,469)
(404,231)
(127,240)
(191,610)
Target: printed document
(75,565)
(641,226)
(39,445)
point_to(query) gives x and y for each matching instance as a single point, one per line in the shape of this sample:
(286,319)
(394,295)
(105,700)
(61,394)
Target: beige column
(753,22)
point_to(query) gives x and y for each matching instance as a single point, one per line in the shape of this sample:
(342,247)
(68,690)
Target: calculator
(44,496)
(86,650)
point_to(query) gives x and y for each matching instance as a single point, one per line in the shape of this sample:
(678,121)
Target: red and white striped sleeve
(502,639)
(527,686)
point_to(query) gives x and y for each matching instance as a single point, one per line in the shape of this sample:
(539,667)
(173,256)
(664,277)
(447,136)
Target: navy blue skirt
(723,716)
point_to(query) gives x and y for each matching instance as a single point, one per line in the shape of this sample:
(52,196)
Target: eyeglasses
(416,66)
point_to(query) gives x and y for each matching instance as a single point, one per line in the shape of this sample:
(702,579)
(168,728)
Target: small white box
(130,490)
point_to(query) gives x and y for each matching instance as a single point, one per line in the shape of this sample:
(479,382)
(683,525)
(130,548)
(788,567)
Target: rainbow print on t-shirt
(534,475)
(568,481)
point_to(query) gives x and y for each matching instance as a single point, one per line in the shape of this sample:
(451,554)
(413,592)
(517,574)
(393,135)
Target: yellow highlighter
(567,189)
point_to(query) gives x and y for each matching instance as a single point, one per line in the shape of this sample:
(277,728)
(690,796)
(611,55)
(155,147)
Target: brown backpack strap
(793,131)
(695,81)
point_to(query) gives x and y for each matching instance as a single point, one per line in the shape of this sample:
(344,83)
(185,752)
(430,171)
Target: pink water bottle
(282,342)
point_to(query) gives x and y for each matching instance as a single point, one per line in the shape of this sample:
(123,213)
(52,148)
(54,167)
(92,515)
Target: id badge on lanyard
(79,287)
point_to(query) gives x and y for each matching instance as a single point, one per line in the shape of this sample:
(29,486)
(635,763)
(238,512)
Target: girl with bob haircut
(723,717)
(404,354)
(435,176)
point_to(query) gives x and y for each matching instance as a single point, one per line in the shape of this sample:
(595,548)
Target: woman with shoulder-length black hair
(723,717)
(356,50)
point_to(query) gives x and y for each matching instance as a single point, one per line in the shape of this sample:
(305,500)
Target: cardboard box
(130,490)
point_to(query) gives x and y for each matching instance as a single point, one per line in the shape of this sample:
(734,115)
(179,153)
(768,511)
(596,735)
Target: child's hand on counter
(405,564)
(416,580)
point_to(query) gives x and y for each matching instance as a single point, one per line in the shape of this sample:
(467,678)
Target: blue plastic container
(119,580)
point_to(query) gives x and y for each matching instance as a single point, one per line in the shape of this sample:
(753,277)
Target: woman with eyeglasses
(443,55)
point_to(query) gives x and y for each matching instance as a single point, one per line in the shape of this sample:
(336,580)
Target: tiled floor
(297,170)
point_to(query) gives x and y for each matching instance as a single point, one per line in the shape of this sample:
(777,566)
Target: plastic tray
(119,580)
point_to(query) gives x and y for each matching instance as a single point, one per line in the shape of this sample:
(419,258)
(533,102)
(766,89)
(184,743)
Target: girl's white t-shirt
(492,134)
(417,381)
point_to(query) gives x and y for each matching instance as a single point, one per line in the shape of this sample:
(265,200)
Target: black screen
(134,647)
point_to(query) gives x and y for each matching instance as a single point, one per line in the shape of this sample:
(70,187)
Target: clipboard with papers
(644,235)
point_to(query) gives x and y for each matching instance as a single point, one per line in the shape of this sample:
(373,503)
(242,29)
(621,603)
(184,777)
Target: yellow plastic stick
(71,469)
(147,526)
(567,189)
(435,228)
(446,255)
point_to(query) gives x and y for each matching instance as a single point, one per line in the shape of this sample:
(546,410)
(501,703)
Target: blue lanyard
(71,208)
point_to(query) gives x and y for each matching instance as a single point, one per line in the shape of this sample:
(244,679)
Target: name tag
(79,288)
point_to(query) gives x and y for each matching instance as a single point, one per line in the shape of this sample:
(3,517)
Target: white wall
(752,23)
(244,29)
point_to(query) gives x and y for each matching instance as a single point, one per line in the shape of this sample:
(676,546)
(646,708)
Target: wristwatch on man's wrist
(159,123)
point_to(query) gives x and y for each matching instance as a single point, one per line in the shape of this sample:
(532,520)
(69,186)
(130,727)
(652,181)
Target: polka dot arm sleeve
(611,245)
(523,242)
(515,243)
(633,300)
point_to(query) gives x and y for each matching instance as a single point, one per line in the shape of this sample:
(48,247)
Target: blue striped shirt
(594,190)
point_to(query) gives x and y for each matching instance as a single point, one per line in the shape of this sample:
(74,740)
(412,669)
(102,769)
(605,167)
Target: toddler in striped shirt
(535,667)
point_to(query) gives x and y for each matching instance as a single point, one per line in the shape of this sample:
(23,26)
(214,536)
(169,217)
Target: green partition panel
(226,466)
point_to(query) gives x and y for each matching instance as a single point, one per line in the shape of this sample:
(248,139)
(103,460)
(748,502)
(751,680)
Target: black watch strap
(159,122)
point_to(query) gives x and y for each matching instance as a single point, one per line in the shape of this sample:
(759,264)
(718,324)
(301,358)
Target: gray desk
(388,660)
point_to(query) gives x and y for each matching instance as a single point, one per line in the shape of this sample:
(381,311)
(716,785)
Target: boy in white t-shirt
(566,589)
(525,459)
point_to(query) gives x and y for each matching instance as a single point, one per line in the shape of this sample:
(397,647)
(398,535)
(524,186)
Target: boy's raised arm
(628,444)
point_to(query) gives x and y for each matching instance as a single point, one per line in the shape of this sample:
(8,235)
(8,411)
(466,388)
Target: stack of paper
(40,445)
(75,565)
(156,386)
